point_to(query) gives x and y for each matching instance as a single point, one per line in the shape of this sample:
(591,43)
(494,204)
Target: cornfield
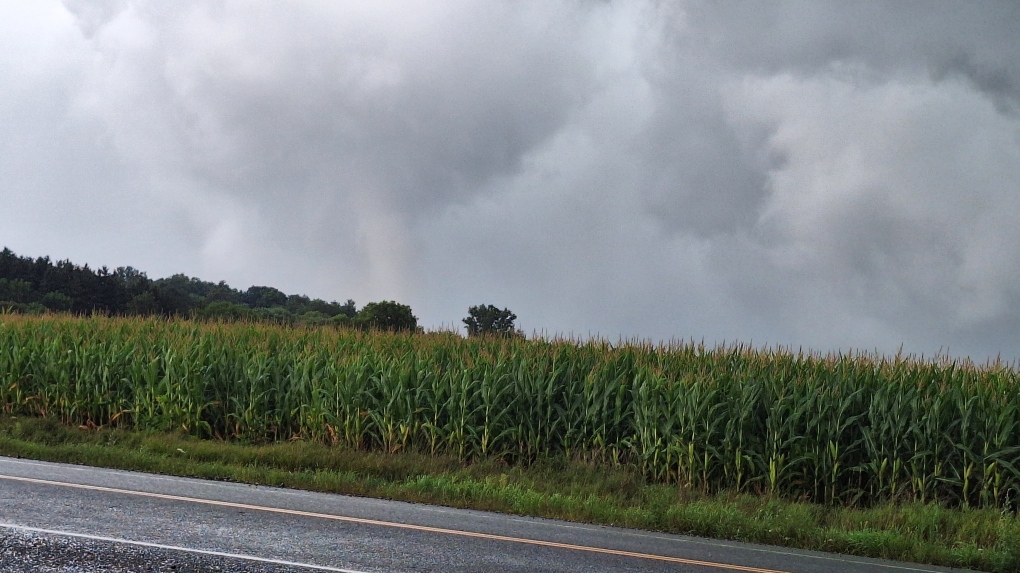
(851,429)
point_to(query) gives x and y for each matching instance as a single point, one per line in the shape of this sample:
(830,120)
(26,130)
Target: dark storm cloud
(830,175)
(265,100)
(977,42)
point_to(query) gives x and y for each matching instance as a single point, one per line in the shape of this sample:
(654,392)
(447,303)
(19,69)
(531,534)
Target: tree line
(41,285)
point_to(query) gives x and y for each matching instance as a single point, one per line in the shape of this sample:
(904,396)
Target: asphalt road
(64,518)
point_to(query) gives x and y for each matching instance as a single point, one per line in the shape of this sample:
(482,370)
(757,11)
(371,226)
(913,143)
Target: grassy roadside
(979,539)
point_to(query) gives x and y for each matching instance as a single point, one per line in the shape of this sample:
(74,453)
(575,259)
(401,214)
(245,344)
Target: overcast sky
(841,175)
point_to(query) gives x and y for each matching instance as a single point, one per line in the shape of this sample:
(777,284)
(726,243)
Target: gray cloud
(831,176)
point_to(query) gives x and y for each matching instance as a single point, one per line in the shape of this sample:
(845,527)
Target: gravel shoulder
(32,552)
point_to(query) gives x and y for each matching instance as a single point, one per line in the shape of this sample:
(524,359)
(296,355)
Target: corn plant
(848,429)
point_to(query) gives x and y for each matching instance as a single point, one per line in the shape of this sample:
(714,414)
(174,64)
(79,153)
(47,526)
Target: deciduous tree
(387,315)
(489,320)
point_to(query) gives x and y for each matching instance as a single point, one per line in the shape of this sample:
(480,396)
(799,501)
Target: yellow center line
(423,528)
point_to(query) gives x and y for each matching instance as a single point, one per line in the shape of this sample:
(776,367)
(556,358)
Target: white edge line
(178,548)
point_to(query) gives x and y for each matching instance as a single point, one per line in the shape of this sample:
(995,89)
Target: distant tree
(275,314)
(223,310)
(313,318)
(263,297)
(8,262)
(330,309)
(42,285)
(144,303)
(56,301)
(221,292)
(387,315)
(178,294)
(30,308)
(348,309)
(130,276)
(489,320)
(338,321)
(16,290)
(134,284)
(297,304)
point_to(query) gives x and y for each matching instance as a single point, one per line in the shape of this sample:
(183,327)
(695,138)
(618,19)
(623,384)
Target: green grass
(983,539)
